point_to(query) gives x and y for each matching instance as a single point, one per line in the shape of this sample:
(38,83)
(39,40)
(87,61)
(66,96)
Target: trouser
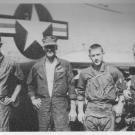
(99,117)
(56,115)
(93,123)
(4,117)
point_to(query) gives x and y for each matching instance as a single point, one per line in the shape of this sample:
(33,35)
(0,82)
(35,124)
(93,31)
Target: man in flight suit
(50,86)
(11,78)
(97,84)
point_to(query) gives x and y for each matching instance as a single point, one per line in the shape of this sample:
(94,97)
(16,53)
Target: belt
(99,105)
(53,96)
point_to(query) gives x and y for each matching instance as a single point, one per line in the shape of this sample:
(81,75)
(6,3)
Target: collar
(48,62)
(58,60)
(102,68)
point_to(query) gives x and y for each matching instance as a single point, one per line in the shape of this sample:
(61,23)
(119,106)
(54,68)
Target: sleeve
(31,82)
(18,73)
(133,83)
(71,85)
(81,87)
(132,86)
(118,80)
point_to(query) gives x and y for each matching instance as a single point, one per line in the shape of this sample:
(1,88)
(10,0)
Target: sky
(87,25)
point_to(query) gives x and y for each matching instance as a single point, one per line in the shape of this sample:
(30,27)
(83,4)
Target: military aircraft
(21,34)
(26,46)
(26,27)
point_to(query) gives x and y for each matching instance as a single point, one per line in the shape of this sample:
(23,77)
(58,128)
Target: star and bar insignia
(28,31)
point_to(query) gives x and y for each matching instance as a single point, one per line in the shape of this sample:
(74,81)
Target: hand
(81,117)
(6,101)
(72,115)
(118,108)
(121,99)
(127,94)
(36,102)
(13,99)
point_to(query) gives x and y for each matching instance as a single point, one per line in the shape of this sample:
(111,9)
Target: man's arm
(120,83)
(81,115)
(31,81)
(71,84)
(131,86)
(19,77)
(81,96)
(16,93)
(72,94)
(72,113)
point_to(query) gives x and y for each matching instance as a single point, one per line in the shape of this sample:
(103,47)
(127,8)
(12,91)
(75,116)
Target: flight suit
(10,76)
(56,106)
(98,88)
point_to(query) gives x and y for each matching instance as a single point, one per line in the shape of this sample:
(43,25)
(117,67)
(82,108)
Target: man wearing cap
(98,84)
(11,77)
(49,87)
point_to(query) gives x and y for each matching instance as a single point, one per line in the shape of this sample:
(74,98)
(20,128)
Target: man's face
(50,51)
(96,56)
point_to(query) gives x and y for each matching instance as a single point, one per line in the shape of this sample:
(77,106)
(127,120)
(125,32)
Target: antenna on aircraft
(104,7)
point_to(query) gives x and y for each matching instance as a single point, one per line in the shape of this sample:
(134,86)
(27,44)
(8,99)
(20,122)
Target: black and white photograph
(67,65)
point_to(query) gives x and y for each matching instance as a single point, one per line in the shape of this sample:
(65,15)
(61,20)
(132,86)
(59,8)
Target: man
(49,85)
(10,85)
(131,102)
(96,85)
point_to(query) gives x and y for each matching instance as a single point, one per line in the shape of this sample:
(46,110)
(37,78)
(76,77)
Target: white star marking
(34,28)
